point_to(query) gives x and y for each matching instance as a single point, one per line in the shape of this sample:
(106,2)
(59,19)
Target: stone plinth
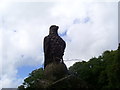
(55,71)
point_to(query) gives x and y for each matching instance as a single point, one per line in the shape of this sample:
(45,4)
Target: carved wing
(46,44)
(46,50)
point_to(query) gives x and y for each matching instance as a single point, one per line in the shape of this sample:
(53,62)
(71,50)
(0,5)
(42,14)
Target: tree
(100,73)
(33,77)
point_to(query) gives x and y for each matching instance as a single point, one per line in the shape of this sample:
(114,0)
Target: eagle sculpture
(54,46)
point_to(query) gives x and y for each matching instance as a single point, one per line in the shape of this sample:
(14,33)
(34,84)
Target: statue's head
(53,29)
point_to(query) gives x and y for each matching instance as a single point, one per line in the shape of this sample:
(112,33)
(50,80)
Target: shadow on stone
(55,71)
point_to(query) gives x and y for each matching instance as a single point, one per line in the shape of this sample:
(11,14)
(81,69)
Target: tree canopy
(101,73)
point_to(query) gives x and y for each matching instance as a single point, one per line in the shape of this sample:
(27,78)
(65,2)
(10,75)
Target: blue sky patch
(25,70)
(76,21)
(86,20)
(63,34)
(83,20)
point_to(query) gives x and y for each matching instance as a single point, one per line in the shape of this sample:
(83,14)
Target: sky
(88,28)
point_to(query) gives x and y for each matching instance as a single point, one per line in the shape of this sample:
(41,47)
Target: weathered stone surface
(54,46)
(55,71)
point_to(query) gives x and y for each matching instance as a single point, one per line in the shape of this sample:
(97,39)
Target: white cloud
(24,26)
(22,35)
(91,38)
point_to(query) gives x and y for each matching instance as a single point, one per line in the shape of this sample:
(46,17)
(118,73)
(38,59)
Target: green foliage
(100,73)
(33,77)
